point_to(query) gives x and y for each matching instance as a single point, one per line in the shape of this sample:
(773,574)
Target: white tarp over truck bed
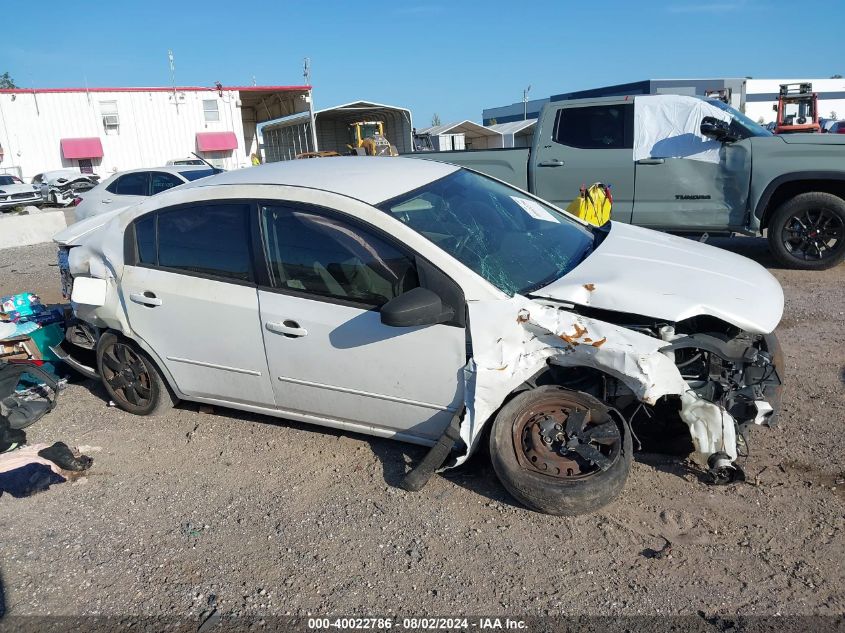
(667,126)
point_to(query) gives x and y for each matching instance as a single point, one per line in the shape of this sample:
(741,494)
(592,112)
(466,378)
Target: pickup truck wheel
(808,231)
(131,378)
(560,452)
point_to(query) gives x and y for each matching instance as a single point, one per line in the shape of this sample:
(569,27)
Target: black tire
(558,495)
(131,378)
(808,231)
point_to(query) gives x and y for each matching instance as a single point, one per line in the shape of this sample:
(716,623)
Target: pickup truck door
(687,194)
(580,145)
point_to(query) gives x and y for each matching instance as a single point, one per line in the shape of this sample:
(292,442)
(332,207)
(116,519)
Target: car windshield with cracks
(514,241)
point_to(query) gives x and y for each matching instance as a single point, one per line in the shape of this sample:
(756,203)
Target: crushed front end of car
(714,377)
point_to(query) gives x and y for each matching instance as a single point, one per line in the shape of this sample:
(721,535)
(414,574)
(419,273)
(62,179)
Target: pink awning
(82,147)
(216,141)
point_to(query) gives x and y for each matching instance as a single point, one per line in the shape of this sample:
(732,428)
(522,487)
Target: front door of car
(587,144)
(329,354)
(190,295)
(693,194)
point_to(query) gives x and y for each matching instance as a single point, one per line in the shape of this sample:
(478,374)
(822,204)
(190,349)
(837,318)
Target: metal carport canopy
(288,136)
(470,130)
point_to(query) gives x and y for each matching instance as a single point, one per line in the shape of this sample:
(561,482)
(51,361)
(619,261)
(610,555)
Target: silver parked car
(14,193)
(130,187)
(431,304)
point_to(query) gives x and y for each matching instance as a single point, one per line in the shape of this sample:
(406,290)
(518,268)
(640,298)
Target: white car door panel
(341,362)
(206,332)
(328,352)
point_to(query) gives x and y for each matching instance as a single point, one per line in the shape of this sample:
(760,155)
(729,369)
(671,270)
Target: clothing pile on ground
(26,469)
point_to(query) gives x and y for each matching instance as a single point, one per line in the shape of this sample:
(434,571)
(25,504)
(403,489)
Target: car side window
(596,127)
(208,239)
(317,254)
(145,239)
(134,184)
(161,181)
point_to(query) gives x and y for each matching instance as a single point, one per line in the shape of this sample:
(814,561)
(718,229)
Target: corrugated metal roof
(513,127)
(345,108)
(470,128)
(157,89)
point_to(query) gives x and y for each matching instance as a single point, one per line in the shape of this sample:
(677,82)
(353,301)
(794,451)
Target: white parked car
(431,304)
(14,193)
(187,161)
(130,187)
(62,187)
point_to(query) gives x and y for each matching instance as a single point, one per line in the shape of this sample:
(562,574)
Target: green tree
(435,119)
(836,77)
(6,81)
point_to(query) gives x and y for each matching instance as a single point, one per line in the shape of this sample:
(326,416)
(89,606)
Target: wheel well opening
(789,190)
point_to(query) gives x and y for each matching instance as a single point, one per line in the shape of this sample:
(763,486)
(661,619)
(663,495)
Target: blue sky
(453,58)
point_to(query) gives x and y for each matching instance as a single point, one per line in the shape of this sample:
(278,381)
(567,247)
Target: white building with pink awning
(106,130)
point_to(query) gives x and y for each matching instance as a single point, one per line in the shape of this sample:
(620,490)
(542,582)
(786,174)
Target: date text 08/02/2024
(435,624)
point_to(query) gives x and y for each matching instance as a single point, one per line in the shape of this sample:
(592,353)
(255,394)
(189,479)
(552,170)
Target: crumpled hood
(653,274)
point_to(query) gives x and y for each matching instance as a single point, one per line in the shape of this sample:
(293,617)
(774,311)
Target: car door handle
(287,328)
(555,162)
(106,200)
(146,299)
(650,161)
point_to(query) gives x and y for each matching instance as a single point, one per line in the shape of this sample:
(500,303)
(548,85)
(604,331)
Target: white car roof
(370,179)
(169,169)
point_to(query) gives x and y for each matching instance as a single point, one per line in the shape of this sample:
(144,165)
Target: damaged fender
(513,340)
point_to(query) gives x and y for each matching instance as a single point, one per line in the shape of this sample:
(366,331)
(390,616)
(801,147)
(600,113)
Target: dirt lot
(257,516)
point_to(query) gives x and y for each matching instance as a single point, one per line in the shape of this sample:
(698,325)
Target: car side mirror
(718,130)
(418,306)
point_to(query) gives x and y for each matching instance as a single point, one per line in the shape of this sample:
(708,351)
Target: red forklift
(797,109)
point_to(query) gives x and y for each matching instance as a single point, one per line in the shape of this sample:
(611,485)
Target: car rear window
(210,239)
(145,236)
(596,127)
(196,174)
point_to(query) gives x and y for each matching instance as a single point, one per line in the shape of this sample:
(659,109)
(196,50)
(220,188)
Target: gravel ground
(256,516)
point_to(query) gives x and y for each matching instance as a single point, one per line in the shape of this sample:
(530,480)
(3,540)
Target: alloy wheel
(127,375)
(815,234)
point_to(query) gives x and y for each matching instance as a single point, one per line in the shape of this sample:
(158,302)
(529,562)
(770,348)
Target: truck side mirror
(718,130)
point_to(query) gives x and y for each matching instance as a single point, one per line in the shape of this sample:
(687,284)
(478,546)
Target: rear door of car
(583,144)
(328,352)
(123,192)
(190,292)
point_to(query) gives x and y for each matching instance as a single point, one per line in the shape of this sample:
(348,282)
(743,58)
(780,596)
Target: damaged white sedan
(431,304)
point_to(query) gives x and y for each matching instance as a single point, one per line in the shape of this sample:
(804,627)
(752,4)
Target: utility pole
(173,78)
(525,102)
(306,73)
